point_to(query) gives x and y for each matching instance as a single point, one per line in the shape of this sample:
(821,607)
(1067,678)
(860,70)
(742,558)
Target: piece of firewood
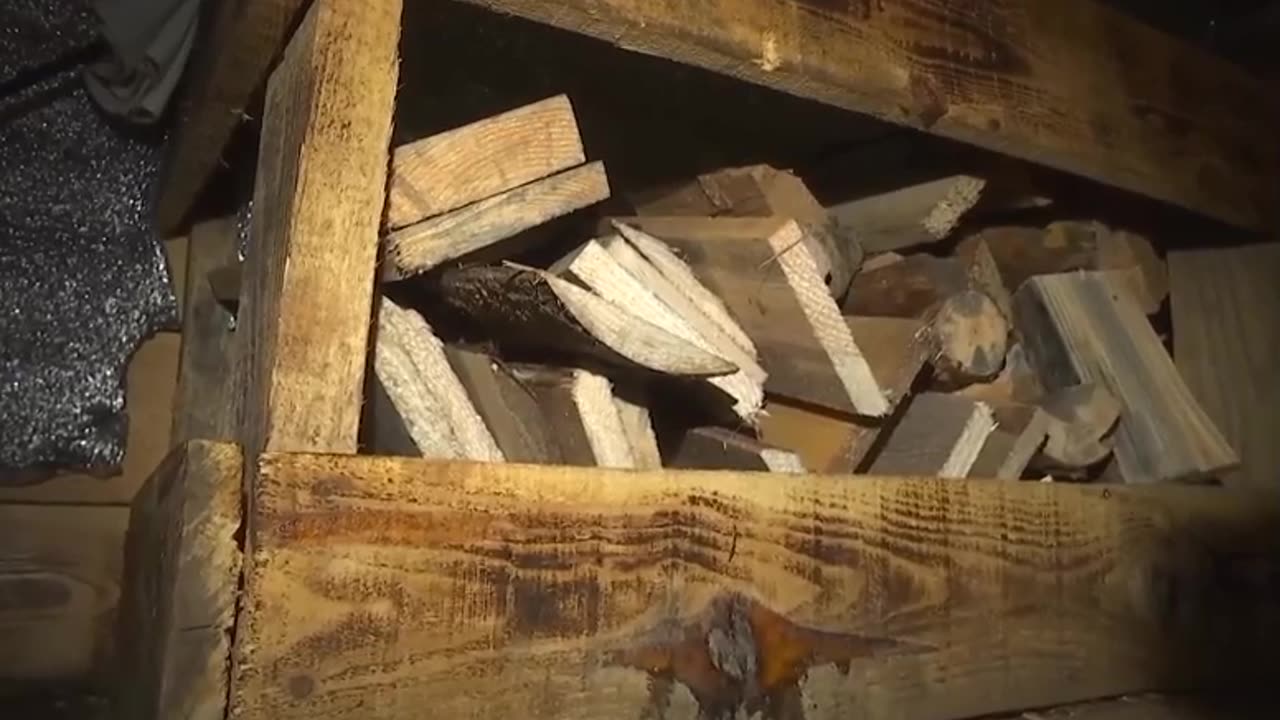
(582,415)
(1020,432)
(637,427)
(1081,420)
(766,276)
(1021,253)
(760,191)
(413,371)
(938,435)
(508,408)
(1076,329)
(444,172)
(417,248)
(717,448)
(969,330)
(600,271)
(528,309)
(909,216)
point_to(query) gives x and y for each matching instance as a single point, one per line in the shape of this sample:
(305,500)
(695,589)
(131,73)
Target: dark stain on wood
(741,656)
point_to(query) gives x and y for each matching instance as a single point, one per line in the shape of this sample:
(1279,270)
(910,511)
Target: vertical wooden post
(318,201)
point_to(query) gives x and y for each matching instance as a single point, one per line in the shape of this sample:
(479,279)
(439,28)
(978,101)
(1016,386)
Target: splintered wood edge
(417,248)
(601,272)
(961,195)
(828,325)
(682,276)
(558,147)
(593,396)
(635,339)
(416,374)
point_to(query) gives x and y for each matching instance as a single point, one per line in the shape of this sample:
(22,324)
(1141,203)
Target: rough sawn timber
(1072,85)
(379,587)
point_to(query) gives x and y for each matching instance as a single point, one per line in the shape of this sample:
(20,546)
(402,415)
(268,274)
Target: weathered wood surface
(909,216)
(937,435)
(59,584)
(182,572)
(508,408)
(228,67)
(1075,86)
(1226,344)
(319,195)
(381,587)
(444,172)
(1077,329)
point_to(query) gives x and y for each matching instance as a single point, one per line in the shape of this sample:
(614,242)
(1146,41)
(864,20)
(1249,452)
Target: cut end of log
(972,337)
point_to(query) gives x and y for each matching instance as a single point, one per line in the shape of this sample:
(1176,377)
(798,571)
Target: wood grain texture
(209,357)
(909,216)
(938,435)
(380,587)
(149,407)
(225,72)
(1226,341)
(763,272)
(1077,329)
(319,194)
(182,573)
(417,248)
(59,585)
(508,408)
(444,172)
(1075,86)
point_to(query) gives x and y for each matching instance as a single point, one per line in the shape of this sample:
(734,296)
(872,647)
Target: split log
(531,310)
(444,172)
(637,427)
(599,270)
(717,448)
(938,435)
(968,330)
(763,272)
(508,408)
(761,191)
(1077,329)
(582,416)
(420,247)
(1020,253)
(415,374)
(910,216)
(1021,430)
(1081,420)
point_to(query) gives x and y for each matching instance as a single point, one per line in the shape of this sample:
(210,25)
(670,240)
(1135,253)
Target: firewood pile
(731,321)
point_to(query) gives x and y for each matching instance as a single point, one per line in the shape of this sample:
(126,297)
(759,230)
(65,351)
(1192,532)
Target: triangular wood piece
(938,435)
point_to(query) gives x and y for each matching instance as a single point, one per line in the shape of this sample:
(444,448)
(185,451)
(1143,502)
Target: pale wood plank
(536,591)
(319,193)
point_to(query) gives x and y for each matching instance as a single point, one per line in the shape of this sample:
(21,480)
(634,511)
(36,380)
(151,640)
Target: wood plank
(434,408)
(226,70)
(1017,77)
(1076,329)
(938,435)
(319,195)
(583,416)
(531,310)
(717,448)
(1020,432)
(209,345)
(826,441)
(909,216)
(508,408)
(494,590)
(637,427)
(1225,343)
(764,274)
(444,172)
(182,574)
(59,583)
(417,248)
(149,406)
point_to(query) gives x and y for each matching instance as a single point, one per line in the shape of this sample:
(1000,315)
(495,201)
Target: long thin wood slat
(227,69)
(444,172)
(182,572)
(309,275)
(381,587)
(1076,86)
(1226,343)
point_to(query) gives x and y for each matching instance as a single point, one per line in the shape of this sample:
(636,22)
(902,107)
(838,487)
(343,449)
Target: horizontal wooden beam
(1074,86)
(378,587)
